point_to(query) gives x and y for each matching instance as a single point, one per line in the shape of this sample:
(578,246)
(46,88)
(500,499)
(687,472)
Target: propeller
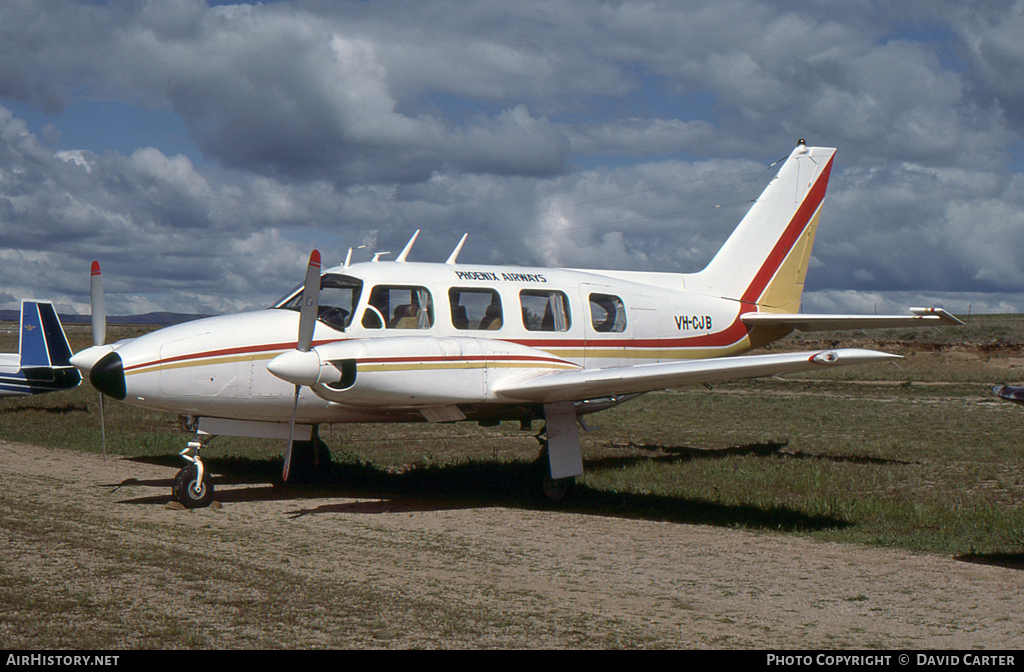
(307,323)
(99,310)
(99,330)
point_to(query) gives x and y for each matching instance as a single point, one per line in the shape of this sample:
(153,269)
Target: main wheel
(191,493)
(553,490)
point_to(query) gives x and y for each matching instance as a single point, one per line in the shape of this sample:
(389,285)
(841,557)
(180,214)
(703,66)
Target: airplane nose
(107,376)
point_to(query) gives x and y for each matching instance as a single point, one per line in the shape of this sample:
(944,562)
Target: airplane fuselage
(473,327)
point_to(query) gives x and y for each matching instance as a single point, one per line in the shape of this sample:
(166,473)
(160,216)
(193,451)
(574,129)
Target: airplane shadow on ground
(767,449)
(480,484)
(53,410)
(1004,560)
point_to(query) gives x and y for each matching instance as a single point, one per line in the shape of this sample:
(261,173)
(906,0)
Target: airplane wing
(593,383)
(921,317)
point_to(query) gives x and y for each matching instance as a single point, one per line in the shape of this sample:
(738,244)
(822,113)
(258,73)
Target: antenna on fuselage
(458,248)
(408,247)
(377,256)
(348,257)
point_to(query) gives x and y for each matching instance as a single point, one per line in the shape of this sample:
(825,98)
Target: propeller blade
(307,323)
(103,430)
(99,331)
(99,310)
(291,438)
(310,303)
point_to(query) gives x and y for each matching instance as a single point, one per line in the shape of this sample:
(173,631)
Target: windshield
(339,295)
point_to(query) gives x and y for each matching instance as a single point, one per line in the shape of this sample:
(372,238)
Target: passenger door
(607,327)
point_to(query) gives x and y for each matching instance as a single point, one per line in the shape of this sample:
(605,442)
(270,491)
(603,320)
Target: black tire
(552,491)
(190,494)
(555,490)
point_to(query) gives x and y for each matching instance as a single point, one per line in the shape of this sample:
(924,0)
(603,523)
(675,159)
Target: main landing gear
(553,489)
(193,487)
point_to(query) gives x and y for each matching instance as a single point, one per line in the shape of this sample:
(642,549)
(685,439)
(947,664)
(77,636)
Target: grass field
(919,456)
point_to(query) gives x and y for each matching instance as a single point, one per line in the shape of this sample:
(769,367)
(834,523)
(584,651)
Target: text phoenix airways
(501,277)
(405,341)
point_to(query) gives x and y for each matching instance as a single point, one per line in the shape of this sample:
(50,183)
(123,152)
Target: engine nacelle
(412,370)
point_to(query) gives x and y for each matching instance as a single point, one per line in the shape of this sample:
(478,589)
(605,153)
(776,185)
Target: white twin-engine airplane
(400,341)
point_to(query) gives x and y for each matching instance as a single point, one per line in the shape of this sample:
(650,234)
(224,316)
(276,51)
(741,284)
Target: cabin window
(545,310)
(475,308)
(607,313)
(394,307)
(339,295)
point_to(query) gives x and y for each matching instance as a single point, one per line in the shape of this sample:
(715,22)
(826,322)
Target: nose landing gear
(193,487)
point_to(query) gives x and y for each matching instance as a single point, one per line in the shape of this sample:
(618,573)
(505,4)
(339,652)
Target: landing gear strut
(193,487)
(554,489)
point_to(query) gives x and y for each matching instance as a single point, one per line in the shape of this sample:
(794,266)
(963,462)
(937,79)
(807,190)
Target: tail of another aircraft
(43,361)
(42,342)
(764,261)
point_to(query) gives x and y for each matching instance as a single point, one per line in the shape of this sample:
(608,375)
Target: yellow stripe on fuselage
(650,353)
(425,366)
(566,353)
(202,362)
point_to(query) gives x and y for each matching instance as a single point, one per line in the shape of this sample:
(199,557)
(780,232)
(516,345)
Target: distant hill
(162,319)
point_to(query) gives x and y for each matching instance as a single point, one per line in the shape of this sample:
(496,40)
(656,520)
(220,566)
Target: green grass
(920,457)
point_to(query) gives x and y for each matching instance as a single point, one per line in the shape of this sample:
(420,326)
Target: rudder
(765,260)
(32,339)
(42,342)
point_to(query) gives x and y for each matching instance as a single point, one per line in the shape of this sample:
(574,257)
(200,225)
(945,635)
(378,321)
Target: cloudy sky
(199,150)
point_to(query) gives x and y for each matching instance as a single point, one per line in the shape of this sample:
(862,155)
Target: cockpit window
(339,295)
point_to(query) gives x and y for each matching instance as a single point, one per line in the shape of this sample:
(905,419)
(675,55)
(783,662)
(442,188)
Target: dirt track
(306,569)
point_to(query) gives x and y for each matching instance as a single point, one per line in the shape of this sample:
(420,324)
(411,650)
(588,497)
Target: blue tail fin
(42,341)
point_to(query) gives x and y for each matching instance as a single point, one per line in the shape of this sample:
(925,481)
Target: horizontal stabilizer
(921,317)
(593,383)
(1012,393)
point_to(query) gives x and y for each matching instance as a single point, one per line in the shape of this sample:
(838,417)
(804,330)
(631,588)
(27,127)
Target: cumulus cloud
(641,138)
(990,43)
(337,124)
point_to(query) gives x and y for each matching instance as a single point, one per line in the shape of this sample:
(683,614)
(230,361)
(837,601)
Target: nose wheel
(193,487)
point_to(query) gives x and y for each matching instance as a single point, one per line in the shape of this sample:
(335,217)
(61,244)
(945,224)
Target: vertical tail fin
(32,341)
(42,342)
(765,260)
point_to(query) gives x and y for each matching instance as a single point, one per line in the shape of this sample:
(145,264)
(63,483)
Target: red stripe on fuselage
(785,243)
(243,350)
(466,358)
